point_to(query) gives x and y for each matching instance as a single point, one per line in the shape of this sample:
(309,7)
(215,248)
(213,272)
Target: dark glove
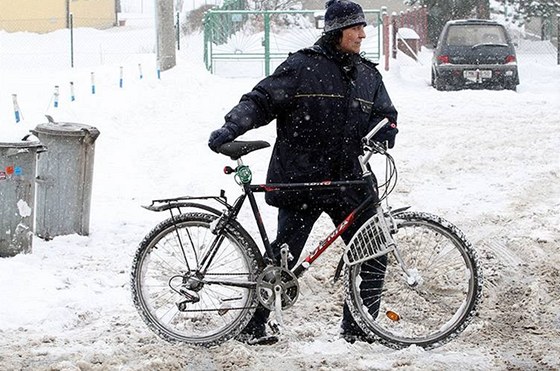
(223,135)
(387,134)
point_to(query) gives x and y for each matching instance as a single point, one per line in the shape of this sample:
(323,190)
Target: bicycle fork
(412,279)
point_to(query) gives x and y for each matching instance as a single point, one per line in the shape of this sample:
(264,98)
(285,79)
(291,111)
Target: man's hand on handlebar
(387,134)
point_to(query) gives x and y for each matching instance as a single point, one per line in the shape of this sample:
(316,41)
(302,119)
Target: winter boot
(350,331)
(255,331)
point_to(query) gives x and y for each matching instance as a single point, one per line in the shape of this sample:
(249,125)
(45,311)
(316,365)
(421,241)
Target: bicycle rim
(219,311)
(437,299)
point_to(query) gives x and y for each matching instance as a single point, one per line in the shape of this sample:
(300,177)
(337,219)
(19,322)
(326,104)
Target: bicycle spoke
(434,299)
(179,303)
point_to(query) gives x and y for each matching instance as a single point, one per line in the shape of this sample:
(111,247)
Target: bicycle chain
(215,310)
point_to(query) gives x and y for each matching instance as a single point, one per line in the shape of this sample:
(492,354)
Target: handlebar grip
(374,131)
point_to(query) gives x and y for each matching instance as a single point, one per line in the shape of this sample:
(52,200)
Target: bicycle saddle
(239,148)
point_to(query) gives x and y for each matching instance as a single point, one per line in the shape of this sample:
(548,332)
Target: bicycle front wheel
(176,299)
(429,299)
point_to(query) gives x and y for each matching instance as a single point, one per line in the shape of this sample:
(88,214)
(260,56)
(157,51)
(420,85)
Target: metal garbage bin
(17,193)
(64,178)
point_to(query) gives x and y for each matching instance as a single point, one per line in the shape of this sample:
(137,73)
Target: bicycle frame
(232,211)
(244,179)
(325,243)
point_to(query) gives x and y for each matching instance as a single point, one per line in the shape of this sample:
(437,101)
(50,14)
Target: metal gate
(240,42)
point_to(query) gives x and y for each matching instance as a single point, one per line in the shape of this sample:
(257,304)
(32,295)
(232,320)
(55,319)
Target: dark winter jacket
(324,102)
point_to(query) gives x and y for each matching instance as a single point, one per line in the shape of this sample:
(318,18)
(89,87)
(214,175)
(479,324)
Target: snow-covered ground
(489,161)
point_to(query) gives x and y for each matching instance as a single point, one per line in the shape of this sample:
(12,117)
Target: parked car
(474,53)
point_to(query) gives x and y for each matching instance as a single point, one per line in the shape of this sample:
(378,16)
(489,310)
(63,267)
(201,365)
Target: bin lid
(68,129)
(21,144)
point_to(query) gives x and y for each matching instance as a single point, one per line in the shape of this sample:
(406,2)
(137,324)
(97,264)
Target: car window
(469,35)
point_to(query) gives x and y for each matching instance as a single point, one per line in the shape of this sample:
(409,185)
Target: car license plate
(477,75)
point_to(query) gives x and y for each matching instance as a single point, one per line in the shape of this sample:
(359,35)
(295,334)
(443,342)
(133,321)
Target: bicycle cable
(391,176)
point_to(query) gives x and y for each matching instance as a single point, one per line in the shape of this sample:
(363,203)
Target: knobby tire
(435,310)
(222,311)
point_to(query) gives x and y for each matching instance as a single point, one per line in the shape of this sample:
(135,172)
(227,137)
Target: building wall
(93,13)
(49,15)
(32,15)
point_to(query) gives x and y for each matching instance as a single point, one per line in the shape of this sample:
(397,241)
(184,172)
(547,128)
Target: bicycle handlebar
(374,131)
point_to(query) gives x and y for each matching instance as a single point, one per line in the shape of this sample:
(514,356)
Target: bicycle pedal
(275,327)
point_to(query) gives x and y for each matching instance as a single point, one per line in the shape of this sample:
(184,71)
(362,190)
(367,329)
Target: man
(325,99)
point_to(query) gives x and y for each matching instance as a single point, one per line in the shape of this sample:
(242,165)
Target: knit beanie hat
(342,14)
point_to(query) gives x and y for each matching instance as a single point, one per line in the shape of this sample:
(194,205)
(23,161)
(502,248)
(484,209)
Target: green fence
(257,41)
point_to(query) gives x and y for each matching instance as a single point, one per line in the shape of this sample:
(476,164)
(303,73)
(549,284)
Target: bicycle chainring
(272,277)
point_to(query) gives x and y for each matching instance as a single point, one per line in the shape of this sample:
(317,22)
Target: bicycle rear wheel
(430,304)
(176,300)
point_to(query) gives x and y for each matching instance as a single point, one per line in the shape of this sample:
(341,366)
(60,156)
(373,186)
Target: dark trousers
(294,227)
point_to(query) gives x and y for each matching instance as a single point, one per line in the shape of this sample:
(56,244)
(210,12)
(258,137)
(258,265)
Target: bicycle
(198,276)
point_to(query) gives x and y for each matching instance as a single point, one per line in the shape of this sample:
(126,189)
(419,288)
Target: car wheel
(511,87)
(440,84)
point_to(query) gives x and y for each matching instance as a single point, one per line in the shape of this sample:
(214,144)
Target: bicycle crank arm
(278,304)
(277,323)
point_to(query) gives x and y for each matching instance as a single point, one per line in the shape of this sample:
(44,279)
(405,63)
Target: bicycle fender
(400,210)
(178,205)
